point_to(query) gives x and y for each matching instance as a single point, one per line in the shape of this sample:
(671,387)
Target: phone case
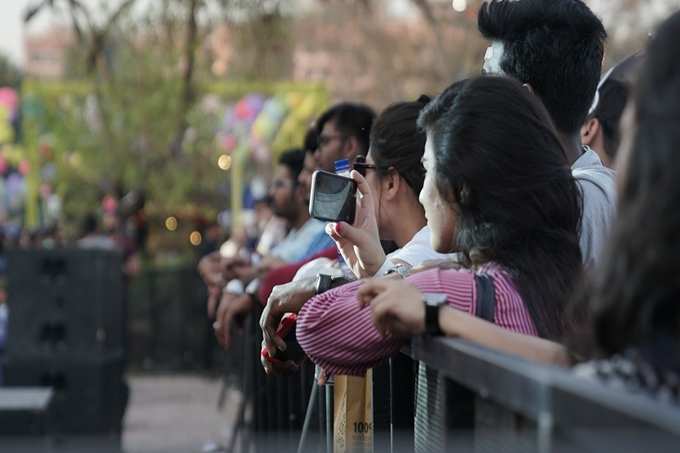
(350,216)
(286,331)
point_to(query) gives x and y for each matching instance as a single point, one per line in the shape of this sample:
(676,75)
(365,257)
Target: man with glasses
(344,132)
(358,120)
(305,236)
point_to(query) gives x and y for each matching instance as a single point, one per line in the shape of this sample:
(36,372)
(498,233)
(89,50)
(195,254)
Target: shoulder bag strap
(486,297)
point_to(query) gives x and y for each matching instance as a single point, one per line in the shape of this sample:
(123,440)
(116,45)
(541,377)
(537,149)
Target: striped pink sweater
(338,335)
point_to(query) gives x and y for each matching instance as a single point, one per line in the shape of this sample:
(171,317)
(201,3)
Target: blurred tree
(10,75)
(130,117)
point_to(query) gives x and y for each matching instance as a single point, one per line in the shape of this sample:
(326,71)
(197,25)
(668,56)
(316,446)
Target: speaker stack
(67,329)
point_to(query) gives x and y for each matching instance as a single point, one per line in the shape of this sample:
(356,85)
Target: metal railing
(168,328)
(525,407)
(468,399)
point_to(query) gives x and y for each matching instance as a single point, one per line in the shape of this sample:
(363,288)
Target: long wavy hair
(498,157)
(634,301)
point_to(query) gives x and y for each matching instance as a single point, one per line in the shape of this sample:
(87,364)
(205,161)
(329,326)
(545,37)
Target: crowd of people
(529,209)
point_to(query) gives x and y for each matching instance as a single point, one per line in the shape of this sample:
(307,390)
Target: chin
(441,245)
(436,244)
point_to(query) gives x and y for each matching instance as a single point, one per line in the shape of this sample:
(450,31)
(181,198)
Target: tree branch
(187,96)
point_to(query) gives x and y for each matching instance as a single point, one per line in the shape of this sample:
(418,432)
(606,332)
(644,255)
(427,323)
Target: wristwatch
(401,269)
(433,303)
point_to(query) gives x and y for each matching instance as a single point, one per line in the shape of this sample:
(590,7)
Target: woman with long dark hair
(498,189)
(625,322)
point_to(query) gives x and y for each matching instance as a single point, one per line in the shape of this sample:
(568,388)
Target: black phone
(333,197)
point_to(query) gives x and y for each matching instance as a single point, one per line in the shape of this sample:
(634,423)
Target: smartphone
(333,197)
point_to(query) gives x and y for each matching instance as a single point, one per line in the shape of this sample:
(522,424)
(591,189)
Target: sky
(11,27)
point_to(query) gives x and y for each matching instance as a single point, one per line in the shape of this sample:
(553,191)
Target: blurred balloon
(9,99)
(247,109)
(270,119)
(24,167)
(109,204)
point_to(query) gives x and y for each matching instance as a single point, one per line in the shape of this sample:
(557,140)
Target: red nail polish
(338,228)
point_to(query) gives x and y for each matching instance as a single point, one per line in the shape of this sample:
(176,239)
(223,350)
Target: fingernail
(338,228)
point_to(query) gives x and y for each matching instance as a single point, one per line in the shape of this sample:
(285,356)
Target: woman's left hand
(397,307)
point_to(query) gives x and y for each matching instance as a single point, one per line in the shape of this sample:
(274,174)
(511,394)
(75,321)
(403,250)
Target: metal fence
(467,399)
(168,328)
(520,406)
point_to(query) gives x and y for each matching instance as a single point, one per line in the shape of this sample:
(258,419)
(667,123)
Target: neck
(299,219)
(409,225)
(572,146)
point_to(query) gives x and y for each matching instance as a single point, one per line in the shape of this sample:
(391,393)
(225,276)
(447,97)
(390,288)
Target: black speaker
(67,331)
(65,301)
(90,394)
(23,411)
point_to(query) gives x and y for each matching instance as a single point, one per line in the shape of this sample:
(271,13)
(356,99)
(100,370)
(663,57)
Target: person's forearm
(456,323)
(338,335)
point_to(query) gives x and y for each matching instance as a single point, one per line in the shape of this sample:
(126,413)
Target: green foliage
(10,75)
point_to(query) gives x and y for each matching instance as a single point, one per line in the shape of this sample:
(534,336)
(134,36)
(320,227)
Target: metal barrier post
(308,416)
(329,387)
(391,399)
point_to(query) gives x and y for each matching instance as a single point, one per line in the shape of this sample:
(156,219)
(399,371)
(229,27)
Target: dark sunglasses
(361,166)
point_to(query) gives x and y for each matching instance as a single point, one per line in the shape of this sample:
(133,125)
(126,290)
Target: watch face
(434,299)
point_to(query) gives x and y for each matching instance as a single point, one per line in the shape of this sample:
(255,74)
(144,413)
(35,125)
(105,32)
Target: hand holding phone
(359,241)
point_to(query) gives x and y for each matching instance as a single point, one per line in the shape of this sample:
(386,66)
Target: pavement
(177,414)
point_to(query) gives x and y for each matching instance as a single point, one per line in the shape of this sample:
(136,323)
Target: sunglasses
(361,166)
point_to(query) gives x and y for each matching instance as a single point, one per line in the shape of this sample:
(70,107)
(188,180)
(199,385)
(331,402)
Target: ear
(589,131)
(391,183)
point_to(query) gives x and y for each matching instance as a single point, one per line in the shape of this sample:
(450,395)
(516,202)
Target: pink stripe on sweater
(338,335)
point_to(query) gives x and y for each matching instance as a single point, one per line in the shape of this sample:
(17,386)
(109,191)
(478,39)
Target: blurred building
(45,52)
(379,55)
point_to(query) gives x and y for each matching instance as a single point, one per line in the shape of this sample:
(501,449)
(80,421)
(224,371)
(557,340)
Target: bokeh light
(171,223)
(224,162)
(195,238)
(459,5)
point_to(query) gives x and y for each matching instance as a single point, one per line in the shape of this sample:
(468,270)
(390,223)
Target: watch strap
(485,307)
(433,304)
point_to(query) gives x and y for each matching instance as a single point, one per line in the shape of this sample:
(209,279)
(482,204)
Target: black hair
(294,160)
(613,94)
(554,46)
(633,301)
(397,142)
(497,156)
(351,120)
(89,225)
(613,97)
(311,142)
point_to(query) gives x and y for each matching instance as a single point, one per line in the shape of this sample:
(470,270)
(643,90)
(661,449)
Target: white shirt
(414,252)
(597,184)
